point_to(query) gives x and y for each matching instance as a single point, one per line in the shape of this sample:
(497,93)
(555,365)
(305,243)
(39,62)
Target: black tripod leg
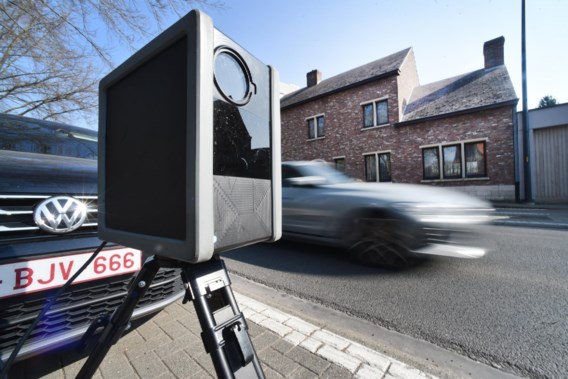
(120,318)
(225,332)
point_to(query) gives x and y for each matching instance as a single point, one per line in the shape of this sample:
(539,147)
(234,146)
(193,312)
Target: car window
(35,136)
(331,175)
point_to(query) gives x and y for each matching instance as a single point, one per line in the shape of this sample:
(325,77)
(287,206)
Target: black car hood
(30,173)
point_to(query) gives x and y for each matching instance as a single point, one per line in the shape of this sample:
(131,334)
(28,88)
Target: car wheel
(380,242)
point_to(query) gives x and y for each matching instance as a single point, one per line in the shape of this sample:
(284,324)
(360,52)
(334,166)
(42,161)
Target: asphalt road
(508,309)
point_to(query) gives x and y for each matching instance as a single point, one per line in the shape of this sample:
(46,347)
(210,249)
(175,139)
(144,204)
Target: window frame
(374,104)
(437,150)
(484,174)
(335,163)
(316,127)
(378,172)
(459,155)
(464,175)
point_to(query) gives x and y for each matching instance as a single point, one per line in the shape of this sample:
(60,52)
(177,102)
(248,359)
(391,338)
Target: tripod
(224,328)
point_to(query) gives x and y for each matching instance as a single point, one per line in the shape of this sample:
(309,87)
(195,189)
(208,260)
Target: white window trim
(374,103)
(440,147)
(315,118)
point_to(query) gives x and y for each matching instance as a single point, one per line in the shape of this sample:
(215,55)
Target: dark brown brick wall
(344,135)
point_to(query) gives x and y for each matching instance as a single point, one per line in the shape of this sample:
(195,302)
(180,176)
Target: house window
(368,116)
(385,167)
(475,160)
(459,160)
(375,113)
(378,167)
(431,161)
(339,164)
(452,161)
(316,127)
(382,112)
(371,168)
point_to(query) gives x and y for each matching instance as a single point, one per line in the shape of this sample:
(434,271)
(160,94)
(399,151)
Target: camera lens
(232,77)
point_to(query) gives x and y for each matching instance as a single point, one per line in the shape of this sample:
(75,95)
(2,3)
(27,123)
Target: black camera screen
(145,147)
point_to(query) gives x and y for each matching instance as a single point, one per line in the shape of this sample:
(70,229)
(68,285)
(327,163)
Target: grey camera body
(189,146)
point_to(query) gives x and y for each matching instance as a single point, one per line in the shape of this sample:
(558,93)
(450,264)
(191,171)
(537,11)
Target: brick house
(377,123)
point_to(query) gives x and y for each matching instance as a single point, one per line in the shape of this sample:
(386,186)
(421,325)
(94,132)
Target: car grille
(450,236)
(82,303)
(17,222)
(76,308)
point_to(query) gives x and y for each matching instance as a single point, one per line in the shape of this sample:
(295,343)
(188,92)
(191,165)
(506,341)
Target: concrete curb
(361,361)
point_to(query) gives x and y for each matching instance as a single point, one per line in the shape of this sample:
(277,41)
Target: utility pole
(526,133)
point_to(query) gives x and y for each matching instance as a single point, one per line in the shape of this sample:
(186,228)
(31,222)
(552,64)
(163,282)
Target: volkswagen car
(48,229)
(379,223)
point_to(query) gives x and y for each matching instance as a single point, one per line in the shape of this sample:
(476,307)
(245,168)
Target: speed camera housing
(189,146)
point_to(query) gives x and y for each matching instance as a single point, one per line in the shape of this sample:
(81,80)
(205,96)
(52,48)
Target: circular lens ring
(228,87)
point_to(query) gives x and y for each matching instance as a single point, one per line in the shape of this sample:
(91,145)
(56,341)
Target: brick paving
(169,345)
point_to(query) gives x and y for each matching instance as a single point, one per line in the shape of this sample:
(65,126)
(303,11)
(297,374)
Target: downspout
(516,154)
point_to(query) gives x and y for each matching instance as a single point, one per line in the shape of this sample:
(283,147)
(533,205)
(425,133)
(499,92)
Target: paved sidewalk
(169,346)
(533,216)
(315,351)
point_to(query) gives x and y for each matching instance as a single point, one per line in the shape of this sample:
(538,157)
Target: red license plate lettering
(41,274)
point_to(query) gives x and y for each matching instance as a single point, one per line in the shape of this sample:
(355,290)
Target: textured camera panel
(243,209)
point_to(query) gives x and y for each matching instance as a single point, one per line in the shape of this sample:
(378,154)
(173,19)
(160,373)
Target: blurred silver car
(379,223)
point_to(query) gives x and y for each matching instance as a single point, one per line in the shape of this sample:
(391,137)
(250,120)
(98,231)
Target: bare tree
(53,53)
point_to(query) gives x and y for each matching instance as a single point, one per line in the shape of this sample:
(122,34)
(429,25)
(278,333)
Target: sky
(447,36)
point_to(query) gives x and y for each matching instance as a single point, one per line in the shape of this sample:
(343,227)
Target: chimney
(493,52)
(313,78)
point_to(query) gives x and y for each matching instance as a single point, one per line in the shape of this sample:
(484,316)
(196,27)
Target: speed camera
(189,146)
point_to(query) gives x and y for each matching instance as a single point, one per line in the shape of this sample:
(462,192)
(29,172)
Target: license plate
(45,273)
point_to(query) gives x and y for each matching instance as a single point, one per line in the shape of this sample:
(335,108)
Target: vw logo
(60,214)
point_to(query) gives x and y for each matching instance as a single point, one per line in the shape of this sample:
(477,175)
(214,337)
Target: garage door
(551,164)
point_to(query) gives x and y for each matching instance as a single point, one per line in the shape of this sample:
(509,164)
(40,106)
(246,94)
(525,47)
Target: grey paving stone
(148,365)
(303,373)
(278,362)
(254,329)
(180,344)
(264,340)
(149,330)
(167,375)
(131,339)
(282,346)
(185,315)
(204,360)
(308,360)
(116,365)
(144,347)
(178,310)
(197,346)
(270,373)
(161,317)
(174,329)
(183,366)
